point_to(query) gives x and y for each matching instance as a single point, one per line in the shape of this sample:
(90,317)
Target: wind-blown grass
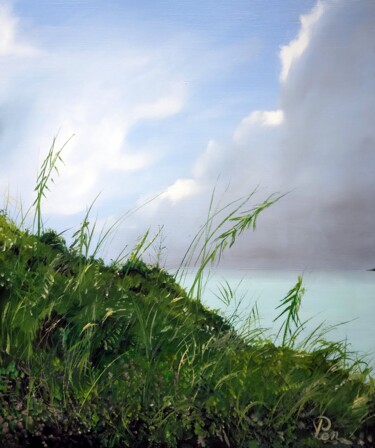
(291,304)
(121,355)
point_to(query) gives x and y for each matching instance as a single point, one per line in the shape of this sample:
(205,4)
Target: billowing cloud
(290,53)
(319,146)
(180,190)
(328,146)
(259,118)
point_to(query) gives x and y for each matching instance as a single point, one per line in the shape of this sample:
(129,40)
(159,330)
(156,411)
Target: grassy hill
(121,355)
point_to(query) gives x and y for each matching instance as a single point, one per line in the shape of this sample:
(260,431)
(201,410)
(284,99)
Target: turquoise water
(331,296)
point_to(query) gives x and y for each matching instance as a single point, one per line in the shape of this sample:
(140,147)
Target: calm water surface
(331,296)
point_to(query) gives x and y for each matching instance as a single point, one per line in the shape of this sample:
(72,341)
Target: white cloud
(258,118)
(265,118)
(181,189)
(92,160)
(72,90)
(290,53)
(10,44)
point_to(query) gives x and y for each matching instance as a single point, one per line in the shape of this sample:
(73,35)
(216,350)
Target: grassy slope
(111,356)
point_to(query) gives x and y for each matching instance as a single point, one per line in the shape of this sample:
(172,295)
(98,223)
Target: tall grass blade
(49,166)
(290,307)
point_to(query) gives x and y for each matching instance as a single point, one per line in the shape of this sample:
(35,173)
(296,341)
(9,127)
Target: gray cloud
(329,144)
(318,144)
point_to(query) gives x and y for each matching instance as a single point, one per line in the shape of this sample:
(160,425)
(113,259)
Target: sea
(342,300)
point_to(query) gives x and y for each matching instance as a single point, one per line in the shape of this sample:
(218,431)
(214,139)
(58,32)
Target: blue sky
(164,97)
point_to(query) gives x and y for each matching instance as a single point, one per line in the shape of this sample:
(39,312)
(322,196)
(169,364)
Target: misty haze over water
(334,297)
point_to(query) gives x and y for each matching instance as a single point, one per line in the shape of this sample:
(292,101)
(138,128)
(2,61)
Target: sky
(167,100)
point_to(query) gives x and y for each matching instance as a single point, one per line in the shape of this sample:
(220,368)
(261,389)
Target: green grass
(121,355)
